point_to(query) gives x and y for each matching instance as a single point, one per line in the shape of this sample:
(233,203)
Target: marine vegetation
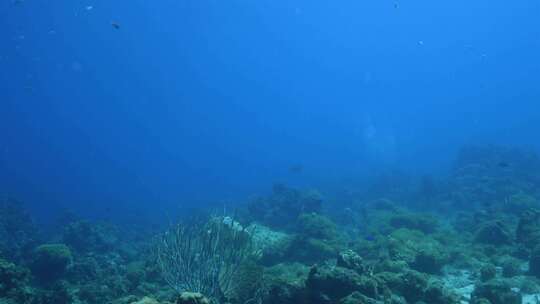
(472,236)
(205,258)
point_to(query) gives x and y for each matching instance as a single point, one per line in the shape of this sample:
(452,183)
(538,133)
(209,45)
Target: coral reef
(528,230)
(13,280)
(493,233)
(18,233)
(192,298)
(283,206)
(50,261)
(496,292)
(83,236)
(472,237)
(534,262)
(420,222)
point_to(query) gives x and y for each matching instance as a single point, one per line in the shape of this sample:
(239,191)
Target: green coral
(417,287)
(357,298)
(528,229)
(351,260)
(13,281)
(494,232)
(317,226)
(332,283)
(51,261)
(146,300)
(487,272)
(534,262)
(497,292)
(311,250)
(511,267)
(57,293)
(422,222)
(248,284)
(421,252)
(317,239)
(286,283)
(85,236)
(520,202)
(272,245)
(135,273)
(189,298)
(283,206)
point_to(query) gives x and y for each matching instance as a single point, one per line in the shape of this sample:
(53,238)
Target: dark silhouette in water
(296,168)
(503,164)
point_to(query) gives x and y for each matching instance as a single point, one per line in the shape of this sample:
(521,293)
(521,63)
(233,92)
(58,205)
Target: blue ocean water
(141,108)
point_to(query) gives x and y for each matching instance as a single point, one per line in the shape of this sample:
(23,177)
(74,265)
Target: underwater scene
(269,152)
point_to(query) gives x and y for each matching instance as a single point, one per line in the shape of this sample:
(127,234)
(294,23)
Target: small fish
(369,238)
(503,164)
(115,25)
(297,168)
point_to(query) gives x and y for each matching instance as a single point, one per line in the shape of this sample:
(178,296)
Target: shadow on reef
(470,237)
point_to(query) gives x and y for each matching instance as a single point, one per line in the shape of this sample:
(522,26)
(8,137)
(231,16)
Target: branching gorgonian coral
(204,257)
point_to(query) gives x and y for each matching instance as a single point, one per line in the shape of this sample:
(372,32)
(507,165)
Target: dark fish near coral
(115,25)
(487,206)
(369,238)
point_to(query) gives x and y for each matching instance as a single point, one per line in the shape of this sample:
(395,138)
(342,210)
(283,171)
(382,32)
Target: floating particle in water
(76,66)
(89,7)
(296,168)
(115,25)
(368,77)
(421,42)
